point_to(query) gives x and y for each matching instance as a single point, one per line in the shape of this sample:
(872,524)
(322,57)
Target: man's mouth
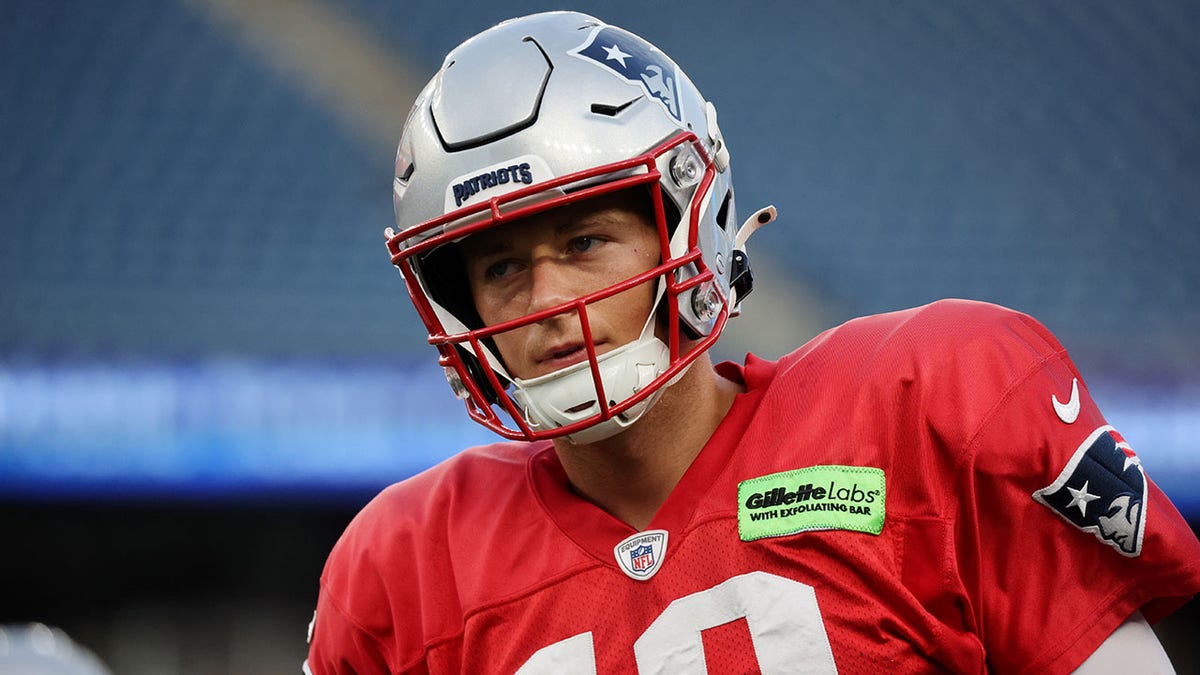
(562,356)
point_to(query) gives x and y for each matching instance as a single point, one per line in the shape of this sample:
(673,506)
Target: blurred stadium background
(207,364)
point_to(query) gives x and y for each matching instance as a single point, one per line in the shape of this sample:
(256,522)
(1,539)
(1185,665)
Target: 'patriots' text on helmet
(534,114)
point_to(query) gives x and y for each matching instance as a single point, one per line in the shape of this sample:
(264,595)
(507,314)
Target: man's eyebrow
(590,220)
(485,248)
(497,244)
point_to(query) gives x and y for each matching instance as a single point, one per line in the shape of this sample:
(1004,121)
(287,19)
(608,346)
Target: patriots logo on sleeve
(1102,490)
(638,62)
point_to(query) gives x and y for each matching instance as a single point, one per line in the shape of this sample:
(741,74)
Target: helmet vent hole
(611,110)
(723,213)
(581,407)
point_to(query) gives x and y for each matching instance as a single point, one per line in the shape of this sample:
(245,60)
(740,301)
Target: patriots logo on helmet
(636,61)
(1102,490)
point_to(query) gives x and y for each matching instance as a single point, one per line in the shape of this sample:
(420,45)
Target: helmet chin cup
(572,395)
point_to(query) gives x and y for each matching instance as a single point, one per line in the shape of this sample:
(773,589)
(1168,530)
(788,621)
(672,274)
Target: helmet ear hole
(445,274)
(723,220)
(671,214)
(475,370)
(445,277)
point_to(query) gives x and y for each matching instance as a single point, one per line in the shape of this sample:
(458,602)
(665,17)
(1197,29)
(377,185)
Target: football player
(927,490)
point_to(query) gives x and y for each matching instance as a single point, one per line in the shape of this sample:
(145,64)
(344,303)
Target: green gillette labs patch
(829,497)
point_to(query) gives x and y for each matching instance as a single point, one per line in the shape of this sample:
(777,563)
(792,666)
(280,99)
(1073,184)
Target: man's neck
(631,474)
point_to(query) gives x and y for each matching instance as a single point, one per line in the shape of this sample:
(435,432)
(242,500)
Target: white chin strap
(569,395)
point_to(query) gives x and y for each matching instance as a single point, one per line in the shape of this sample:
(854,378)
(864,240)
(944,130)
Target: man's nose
(552,283)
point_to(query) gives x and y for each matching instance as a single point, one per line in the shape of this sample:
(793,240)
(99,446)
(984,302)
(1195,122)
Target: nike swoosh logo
(1068,412)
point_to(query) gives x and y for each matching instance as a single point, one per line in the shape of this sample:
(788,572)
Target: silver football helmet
(535,113)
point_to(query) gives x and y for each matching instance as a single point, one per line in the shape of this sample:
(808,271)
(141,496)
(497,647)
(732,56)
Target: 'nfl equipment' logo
(641,555)
(642,558)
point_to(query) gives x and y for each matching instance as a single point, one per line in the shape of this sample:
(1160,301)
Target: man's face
(555,257)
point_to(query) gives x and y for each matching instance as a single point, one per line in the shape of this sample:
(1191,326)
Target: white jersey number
(784,620)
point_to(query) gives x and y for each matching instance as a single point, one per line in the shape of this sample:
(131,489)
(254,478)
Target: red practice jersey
(918,491)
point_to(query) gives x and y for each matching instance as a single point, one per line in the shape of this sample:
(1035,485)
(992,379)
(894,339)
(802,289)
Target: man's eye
(499,269)
(582,244)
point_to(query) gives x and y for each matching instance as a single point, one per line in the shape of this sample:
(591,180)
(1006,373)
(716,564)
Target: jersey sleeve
(393,587)
(338,646)
(1061,533)
(367,611)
